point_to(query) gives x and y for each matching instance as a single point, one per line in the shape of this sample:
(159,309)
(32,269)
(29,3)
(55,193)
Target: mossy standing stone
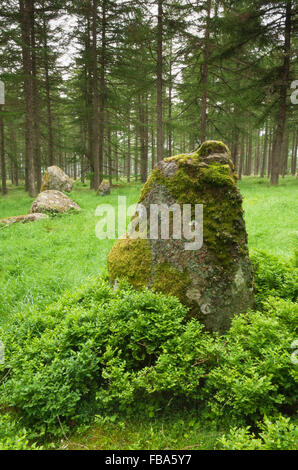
(55,178)
(216,281)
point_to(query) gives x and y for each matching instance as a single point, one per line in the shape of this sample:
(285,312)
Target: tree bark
(95,121)
(282,105)
(102,89)
(205,75)
(25,19)
(36,116)
(264,159)
(294,154)
(51,158)
(2,155)
(159,142)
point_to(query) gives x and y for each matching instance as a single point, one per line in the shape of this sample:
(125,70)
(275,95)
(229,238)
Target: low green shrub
(278,435)
(273,277)
(84,352)
(12,437)
(256,375)
(98,350)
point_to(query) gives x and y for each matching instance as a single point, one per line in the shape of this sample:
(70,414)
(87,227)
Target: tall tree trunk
(128,149)
(116,157)
(143,138)
(285,153)
(36,116)
(264,159)
(110,168)
(137,156)
(2,155)
(257,154)
(152,148)
(282,105)
(270,152)
(170,103)
(102,89)
(51,159)
(25,19)
(294,154)
(159,143)
(205,75)
(95,121)
(242,151)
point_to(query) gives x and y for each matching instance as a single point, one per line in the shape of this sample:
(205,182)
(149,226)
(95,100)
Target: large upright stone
(53,202)
(55,178)
(215,281)
(104,188)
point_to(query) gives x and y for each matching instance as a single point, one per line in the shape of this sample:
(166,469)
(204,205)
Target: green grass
(271,215)
(40,260)
(180,431)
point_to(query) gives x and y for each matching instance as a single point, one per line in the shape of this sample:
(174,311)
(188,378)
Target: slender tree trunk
(270,152)
(144,138)
(95,121)
(110,169)
(137,157)
(294,154)
(2,155)
(102,88)
(282,106)
(152,148)
(205,75)
(25,19)
(51,158)
(242,151)
(285,153)
(36,142)
(159,143)
(257,154)
(89,96)
(264,159)
(116,157)
(170,103)
(128,148)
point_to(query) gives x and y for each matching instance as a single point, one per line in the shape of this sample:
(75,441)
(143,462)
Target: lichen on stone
(130,259)
(170,281)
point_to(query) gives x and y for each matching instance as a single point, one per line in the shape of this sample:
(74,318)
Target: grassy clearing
(40,260)
(181,431)
(271,215)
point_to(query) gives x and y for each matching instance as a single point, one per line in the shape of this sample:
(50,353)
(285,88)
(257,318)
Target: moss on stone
(131,259)
(213,146)
(170,281)
(214,186)
(217,174)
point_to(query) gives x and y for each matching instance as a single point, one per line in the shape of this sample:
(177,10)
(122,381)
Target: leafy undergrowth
(125,353)
(120,369)
(182,430)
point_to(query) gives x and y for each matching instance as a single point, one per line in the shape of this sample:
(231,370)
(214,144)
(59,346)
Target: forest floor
(41,260)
